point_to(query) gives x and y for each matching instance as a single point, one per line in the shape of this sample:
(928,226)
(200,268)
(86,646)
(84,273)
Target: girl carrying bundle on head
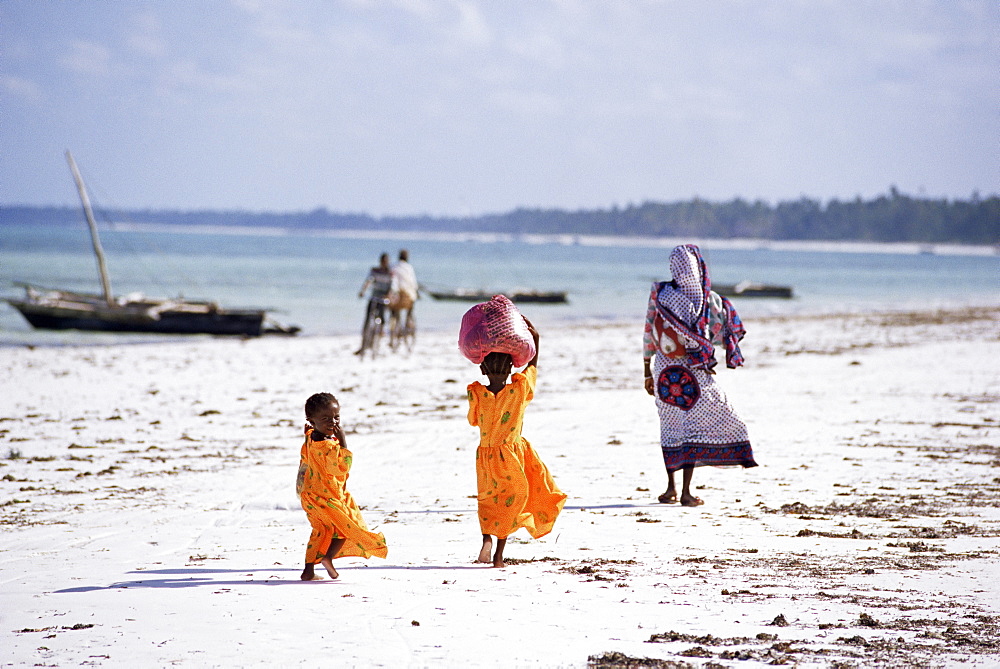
(338,530)
(515,488)
(698,425)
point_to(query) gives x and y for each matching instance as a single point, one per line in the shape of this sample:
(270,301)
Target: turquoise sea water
(312,280)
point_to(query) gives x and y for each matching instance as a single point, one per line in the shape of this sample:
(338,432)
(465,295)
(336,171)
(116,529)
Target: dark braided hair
(317,401)
(497,363)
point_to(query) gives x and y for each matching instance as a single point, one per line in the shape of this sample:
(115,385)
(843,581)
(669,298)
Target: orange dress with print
(333,514)
(515,487)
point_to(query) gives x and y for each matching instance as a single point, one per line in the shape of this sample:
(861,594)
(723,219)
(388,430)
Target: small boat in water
(752,289)
(524,296)
(53,309)
(539,296)
(461,295)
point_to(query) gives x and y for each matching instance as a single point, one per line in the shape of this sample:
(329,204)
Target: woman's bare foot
(484,553)
(328,563)
(308,574)
(691,500)
(499,564)
(669,497)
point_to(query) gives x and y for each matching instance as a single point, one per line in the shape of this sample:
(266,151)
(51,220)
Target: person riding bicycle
(380,280)
(405,289)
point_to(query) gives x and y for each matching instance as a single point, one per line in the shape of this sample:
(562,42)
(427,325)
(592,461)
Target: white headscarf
(687,300)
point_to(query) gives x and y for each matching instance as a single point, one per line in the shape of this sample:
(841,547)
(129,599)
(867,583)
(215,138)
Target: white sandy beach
(149,515)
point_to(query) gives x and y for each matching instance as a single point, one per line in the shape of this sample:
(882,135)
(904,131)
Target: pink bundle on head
(497,326)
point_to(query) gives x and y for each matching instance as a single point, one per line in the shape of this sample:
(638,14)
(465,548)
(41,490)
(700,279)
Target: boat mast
(98,251)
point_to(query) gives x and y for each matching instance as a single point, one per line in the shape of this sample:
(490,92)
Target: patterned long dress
(324,467)
(515,487)
(698,425)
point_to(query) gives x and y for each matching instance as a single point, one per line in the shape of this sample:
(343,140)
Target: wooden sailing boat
(54,309)
(752,289)
(535,296)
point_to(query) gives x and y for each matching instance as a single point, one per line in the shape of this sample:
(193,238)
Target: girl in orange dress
(515,487)
(338,530)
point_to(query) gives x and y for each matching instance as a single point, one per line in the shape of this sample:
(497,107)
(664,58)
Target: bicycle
(402,333)
(374,326)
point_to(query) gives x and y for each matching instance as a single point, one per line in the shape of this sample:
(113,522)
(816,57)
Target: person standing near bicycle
(380,280)
(405,289)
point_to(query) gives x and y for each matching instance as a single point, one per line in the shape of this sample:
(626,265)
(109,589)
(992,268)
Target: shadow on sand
(202,577)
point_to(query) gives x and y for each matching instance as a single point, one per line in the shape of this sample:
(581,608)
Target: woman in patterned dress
(698,425)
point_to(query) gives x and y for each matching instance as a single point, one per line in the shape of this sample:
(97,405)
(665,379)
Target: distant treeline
(888,218)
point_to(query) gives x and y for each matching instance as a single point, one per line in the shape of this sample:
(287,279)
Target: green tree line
(893,217)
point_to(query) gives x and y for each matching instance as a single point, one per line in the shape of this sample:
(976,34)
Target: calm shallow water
(312,281)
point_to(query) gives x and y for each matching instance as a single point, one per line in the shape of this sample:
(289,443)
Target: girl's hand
(648,383)
(531,328)
(534,335)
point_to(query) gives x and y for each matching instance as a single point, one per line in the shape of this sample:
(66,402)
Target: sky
(469,107)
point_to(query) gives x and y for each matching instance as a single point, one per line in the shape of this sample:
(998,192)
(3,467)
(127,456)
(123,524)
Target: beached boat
(751,289)
(54,309)
(536,296)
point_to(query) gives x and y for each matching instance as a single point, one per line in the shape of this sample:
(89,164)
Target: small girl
(338,530)
(515,488)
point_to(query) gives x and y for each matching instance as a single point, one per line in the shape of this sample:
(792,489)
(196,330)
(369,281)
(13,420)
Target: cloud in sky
(471,106)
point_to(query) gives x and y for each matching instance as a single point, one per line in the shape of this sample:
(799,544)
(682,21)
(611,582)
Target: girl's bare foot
(498,562)
(308,574)
(484,553)
(691,500)
(328,563)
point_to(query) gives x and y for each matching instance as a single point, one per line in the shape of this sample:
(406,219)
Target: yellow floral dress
(322,486)
(515,487)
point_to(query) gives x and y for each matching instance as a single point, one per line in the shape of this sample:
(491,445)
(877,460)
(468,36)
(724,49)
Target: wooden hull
(553,297)
(539,297)
(747,289)
(67,311)
(461,295)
